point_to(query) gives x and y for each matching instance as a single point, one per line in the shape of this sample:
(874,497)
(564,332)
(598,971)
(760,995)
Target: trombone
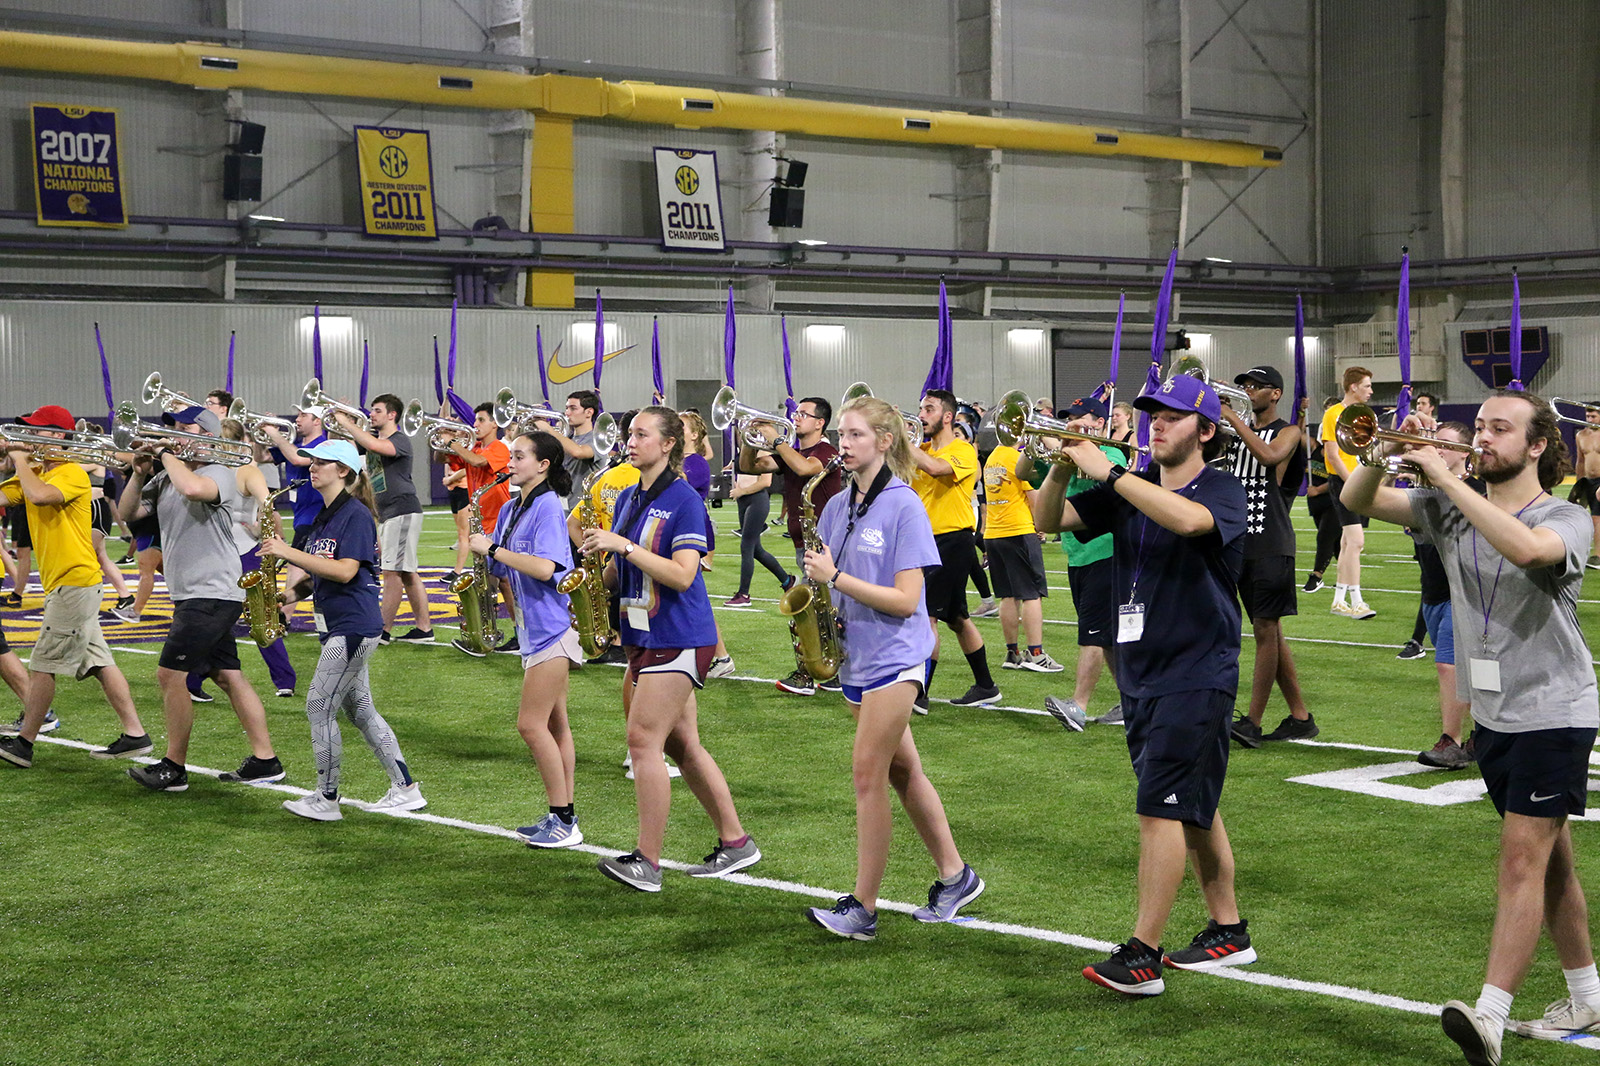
(1019,426)
(442,432)
(914,427)
(1568,419)
(313,396)
(255,425)
(508,410)
(154,392)
(84,445)
(129,434)
(727,411)
(1359,432)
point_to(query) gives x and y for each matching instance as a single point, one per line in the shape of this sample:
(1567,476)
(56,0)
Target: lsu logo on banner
(77,172)
(396,173)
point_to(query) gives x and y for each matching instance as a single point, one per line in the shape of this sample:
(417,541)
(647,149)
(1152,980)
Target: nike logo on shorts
(1534,797)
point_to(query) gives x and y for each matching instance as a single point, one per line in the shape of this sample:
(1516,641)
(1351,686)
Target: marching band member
(577,444)
(485,459)
(100,517)
(1177,537)
(310,429)
(697,472)
(1353,527)
(342,558)
(876,544)
(1532,689)
(55,498)
(658,537)
(1016,557)
(530,547)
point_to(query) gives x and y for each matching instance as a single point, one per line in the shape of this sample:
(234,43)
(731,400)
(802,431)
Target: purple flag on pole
(365,362)
(1516,334)
(232,336)
(1402,338)
(789,406)
(316,341)
(1108,391)
(105,374)
(450,363)
(463,409)
(730,340)
(544,378)
(660,393)
(941,375)
(599,345)
(438,379)
(1158,346)
(1299,358)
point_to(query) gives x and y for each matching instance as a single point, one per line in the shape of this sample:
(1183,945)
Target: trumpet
(83,445)
(255,425)
(1019,426)
(726,411)
(914,428)
(313,396)
(508,410)
(1568,419)
(158,394)
(1359,432)
(1232,395)
(130,435)
(442,432)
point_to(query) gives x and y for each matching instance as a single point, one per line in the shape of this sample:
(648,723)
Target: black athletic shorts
(1094,598)
(1583,494)
(201,637)
(1266,588)
(460,499)
(1345,516)
(4,647)
(1179,746)
(1542,774)
(947,586)
(20,537)
(100,515)
(1016,566)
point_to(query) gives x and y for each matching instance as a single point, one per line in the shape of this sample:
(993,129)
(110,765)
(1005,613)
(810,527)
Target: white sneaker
(1041,663)
(1562,1019)
(1478,1037)
(722,667)
(400,798)
(315,806)
(672,771)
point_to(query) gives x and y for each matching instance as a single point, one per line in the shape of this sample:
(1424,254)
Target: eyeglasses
(806,414)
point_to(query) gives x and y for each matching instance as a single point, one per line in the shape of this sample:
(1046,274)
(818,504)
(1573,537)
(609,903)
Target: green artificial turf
(211,926)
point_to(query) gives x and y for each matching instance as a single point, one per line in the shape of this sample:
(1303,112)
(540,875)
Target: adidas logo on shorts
(1171,800)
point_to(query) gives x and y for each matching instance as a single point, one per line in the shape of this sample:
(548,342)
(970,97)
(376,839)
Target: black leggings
(753,511)
(1328,530)
(980,576)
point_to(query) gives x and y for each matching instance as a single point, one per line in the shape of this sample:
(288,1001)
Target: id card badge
(322,623)
(1130,623)
(1486,675)
(639,618)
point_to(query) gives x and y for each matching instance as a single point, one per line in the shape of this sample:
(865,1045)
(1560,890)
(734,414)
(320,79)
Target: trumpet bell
(411,420)
(606,433)
(855,392)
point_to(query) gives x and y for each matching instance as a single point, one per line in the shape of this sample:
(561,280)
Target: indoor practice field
(211,926)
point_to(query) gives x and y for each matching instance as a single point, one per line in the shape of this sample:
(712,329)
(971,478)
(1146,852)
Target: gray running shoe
(633,870)
(986,609)
(847,918)
(1013,660)
(725,860)
(1041,663)
(1067,712)
(1111,717)
(125,747)
(946,901)
(164,776)
(1446,755)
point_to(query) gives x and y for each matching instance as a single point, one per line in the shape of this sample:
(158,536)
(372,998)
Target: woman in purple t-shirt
(531,550)
(656,541)
(876,543)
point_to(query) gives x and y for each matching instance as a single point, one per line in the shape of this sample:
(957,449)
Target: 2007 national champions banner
(691,199)
(77,176)
(396,170)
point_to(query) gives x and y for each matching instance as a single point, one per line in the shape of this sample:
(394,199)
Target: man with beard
(1515,562)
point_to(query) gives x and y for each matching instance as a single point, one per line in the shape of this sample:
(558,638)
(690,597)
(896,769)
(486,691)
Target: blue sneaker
(848,918)
(551,832)
(946,901)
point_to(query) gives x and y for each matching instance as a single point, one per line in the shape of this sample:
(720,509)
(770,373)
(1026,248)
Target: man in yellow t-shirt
(1352,527)
(1016,560)
(603,496)
(56,499)
(947,473)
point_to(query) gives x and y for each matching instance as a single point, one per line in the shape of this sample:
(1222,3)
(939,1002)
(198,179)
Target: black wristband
(493,547)
(1116,472)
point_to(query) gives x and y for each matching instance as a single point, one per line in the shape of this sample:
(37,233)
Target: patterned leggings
(340,683)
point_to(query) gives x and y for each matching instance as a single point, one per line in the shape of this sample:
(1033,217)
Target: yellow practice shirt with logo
(948,500)
(60,532)
(608,487)
(1008,514)
(1330,419)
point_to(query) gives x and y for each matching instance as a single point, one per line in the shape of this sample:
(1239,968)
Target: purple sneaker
(946,901)
(847,918)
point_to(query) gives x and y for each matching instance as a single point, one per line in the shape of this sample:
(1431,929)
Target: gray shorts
(70,641)
(397,543)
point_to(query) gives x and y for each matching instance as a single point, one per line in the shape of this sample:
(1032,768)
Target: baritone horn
(860,389)
(1019,426)
(313,396)
(1232,395)
(727,411)
(154,392)
(508,410)
(442,432)
(84,445)
(1359,432)
(255,425)
(1568,419)
(129,434)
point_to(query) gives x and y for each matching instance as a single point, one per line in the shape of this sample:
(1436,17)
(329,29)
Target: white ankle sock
(1583,985)
(1340,592)
(1495,1005)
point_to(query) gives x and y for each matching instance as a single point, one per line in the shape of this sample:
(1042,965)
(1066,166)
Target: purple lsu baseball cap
(1181,392)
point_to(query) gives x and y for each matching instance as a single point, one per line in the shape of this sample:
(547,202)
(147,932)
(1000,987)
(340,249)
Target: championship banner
(691,199)
(77,178)
(396,172)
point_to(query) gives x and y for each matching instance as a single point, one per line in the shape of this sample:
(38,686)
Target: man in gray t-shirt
(582,408)
(1515,561)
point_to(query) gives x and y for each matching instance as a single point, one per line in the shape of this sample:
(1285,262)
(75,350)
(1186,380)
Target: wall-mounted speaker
(787,208)
(241,177)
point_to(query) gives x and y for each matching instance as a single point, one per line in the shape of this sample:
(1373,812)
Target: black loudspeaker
(795,176)
(241,177)
(787,207)
(250,139)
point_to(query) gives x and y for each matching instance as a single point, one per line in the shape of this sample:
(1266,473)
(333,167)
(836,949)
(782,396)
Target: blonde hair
(695,426)
(670,426)
(883,419)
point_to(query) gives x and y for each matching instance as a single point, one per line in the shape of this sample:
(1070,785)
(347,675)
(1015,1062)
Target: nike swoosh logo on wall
(560,373)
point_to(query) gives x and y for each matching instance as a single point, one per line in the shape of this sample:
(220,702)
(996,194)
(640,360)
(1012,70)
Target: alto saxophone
(262,598)
(813,623)
(477,590)
(585,585)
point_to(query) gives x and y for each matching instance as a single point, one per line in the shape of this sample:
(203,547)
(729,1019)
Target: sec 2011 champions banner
(77,175)
(691,199)
(396,171)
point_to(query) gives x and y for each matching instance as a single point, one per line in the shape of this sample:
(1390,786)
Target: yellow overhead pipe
(215,67)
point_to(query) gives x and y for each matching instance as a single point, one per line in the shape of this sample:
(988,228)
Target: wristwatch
(833,582)
(1116,472)
(492,549)
(629,549)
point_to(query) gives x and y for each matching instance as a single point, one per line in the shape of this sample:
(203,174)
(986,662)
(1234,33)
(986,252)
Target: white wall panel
(1087,54)
(878,194)
(1077,206)
(427,23)
(693,35)
(907,46)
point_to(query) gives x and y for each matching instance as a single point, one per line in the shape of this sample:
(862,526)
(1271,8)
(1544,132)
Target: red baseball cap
(53,416)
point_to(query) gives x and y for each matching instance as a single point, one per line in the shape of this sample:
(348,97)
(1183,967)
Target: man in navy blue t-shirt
(1177,550)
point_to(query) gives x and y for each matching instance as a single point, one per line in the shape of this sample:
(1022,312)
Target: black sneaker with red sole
(1214,948)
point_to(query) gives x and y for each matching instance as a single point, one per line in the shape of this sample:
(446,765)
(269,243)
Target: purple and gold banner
(77,174)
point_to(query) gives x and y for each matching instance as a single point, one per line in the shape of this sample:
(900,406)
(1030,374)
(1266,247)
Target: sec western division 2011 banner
(396,168)
(691,199)
(77,176)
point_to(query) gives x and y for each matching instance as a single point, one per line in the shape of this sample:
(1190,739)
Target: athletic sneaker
(461,645)
(920,704)
(416,636)
(510,646)
(1013,660)
(1562,1019)
(315,806)
(725,859)
(285,693)
(633,870)
(164,776)
(1593,563)
(1478,1037)
(1213,949)
(1292,728)
(986,609)
(51,724)
(125,747)
(977,695)
(1111,717)
(551,832)
(1361,612)
(254,771)
(721,666)
(1134,969)
(1245,731)
(124,609)
(1446,755)
(672,771)
(1313,583)
(200,695)
(400,798)
(833,684)
(1067,712)
(788,582)
(16,751)
(740,599)
(386,637)
(798,683)
(14,600)
(846,918)
(1411,650)
(1344,610)
(1041,663)
(946,901)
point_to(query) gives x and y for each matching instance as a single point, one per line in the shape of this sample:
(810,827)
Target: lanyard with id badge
(1131,615)
(1485,669)
(637,607)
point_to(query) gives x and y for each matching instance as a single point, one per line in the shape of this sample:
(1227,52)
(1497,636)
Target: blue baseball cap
(336,450)
(1181,392)
(1093,406)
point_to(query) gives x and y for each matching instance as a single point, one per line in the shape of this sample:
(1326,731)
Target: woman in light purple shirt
(877,541)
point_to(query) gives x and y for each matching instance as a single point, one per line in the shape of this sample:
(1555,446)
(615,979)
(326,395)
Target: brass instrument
(313,396)
(478,590)
(727,411)
(585,585)
(509,411)
(129,434)
(1019,426)
(1232,395)
(263,600)
(813,622)
(255,424)
(914,427)
(442,432)
(83,445)
(1568,419)
(1359,432)
(157,394)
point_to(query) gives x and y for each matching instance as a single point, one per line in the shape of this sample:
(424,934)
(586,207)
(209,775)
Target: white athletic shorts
(397,540)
